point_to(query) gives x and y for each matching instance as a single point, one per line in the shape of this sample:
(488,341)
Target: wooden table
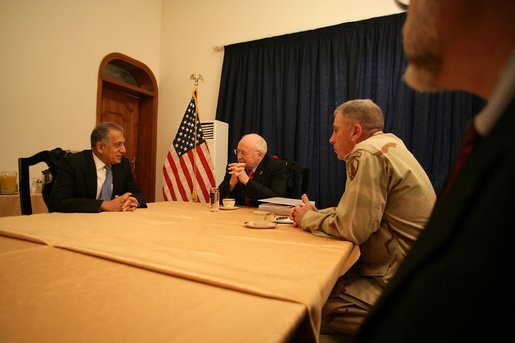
(10,204)
(172,272)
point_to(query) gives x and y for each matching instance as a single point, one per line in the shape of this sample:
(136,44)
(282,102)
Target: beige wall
(50,51)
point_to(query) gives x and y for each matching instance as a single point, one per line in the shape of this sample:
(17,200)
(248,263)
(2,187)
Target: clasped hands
(298,212)
(238,173)
(123,203)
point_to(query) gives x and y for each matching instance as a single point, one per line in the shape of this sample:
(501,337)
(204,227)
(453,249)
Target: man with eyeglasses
(256,175)
(457,282)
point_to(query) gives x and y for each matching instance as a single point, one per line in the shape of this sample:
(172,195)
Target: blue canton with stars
(184,140)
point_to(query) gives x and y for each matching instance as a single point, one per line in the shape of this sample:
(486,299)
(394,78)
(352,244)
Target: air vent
(216,135)
(208,129)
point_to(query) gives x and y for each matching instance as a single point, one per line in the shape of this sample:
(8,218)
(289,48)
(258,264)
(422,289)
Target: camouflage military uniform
(387,201)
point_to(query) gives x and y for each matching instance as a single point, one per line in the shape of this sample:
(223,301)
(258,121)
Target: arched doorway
(127,95)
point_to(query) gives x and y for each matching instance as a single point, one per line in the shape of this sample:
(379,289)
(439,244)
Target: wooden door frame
(147,91)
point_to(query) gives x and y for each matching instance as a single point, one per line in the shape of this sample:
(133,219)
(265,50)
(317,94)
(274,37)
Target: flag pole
(195,78)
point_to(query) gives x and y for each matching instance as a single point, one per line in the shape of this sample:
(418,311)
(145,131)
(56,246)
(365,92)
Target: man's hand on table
(298,212)
(120,203)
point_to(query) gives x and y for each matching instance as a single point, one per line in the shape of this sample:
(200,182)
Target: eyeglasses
(403,4)
(242,153)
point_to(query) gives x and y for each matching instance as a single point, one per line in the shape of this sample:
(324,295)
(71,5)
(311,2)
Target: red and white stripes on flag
(188,169)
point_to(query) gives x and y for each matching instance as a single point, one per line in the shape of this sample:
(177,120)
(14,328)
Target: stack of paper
(284,201)
(280,205)
(275,208)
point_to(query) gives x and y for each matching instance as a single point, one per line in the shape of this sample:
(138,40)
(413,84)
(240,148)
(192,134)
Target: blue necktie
(105,194)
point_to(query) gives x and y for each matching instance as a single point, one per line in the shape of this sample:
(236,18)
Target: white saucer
(253,225)
(229,208)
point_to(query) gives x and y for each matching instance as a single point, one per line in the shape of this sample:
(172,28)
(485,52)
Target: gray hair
(101,132)
(364,112)
(261,145)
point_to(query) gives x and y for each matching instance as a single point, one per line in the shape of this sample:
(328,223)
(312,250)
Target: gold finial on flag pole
(195,78)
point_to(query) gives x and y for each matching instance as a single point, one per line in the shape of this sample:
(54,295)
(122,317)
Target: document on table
(284,201)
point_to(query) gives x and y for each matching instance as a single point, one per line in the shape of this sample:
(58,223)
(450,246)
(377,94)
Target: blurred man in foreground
(456,284)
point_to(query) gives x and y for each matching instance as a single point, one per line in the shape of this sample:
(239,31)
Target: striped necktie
(472,137)
(250,173)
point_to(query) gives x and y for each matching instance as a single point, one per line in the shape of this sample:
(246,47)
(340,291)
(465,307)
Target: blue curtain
(286,89)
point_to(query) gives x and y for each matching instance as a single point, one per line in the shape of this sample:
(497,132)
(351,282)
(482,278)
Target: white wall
(50,51)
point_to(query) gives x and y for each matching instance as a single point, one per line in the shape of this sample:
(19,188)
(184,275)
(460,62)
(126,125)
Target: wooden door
(127,95)
(123,109)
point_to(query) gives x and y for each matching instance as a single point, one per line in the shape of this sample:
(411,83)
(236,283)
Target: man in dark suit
(99,179)
(256,175)
(457,283)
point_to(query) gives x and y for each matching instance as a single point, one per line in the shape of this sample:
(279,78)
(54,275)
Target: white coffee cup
(263,217)
(229,202)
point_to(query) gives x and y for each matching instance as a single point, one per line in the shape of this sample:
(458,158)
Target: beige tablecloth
(10,204)
(213,251)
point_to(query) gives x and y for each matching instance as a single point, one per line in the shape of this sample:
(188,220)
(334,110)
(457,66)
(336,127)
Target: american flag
(188,171)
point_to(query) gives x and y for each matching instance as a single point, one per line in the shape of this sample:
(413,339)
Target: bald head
(255,141)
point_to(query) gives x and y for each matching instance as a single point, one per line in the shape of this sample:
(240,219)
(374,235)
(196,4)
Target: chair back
(298,182)
(52,159)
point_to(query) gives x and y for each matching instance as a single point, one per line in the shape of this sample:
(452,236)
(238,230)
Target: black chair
(298,182)
(52,159)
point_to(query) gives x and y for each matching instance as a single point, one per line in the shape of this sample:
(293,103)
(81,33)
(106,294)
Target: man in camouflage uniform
(387,201)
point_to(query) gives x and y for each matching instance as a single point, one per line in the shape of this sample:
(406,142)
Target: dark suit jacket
(270,180)
(75,187)
(457,284)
